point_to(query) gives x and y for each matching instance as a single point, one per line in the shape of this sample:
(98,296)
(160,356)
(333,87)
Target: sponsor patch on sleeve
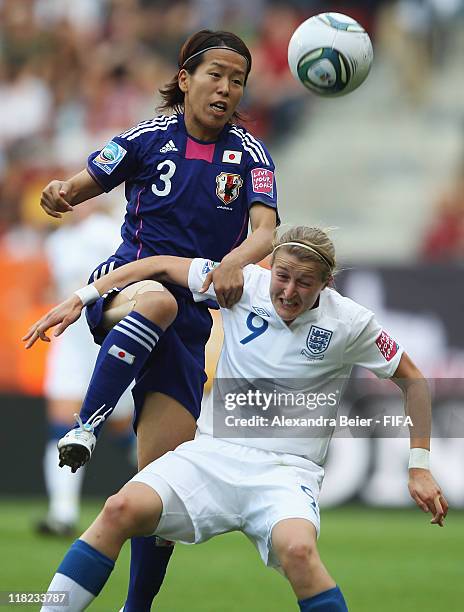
(386,345)
(208,266)
(110,157)
(263,181)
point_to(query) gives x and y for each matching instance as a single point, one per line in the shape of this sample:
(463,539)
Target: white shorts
(70,364)
(209,486)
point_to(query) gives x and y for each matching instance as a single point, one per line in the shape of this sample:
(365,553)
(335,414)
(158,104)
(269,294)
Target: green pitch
(383,559)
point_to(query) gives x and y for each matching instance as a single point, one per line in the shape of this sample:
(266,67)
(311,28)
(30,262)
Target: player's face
(295,285)
(212,92)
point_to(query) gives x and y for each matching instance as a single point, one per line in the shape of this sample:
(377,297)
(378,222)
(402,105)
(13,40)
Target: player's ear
(182,80)
(328,281)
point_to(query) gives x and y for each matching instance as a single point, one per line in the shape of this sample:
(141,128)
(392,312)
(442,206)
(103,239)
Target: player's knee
(149,298)
(120,514)
(297,555)
(158,306)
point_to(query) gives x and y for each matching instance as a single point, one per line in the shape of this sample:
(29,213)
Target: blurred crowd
(444,237)
(73,74)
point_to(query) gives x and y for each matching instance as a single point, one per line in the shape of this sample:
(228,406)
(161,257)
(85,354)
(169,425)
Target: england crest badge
(318,341)
(228,186)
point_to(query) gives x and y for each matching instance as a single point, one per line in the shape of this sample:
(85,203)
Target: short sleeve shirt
(185,197)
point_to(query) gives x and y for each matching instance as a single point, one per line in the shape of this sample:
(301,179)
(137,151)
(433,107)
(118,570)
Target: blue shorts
(176,367)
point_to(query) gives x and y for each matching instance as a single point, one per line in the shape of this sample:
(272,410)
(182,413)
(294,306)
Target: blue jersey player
(193,181)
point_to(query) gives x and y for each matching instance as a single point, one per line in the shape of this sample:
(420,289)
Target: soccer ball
(330,54)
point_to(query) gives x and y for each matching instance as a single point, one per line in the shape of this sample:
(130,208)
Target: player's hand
(54,198)
(427,494)
(62,315)
(227,279)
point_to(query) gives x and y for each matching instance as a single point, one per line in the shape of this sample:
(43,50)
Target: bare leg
(164,424)
(87,565)
(134,511)
(294,541)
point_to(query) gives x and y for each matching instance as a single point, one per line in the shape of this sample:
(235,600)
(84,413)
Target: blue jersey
(184,197)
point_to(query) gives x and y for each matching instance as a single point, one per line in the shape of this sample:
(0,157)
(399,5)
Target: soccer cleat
(76,447)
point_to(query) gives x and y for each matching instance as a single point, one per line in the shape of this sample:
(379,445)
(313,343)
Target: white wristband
(419,458)
(88,294)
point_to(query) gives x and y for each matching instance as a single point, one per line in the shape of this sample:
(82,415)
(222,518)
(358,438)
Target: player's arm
(422,486)
(228,276)
(60,196)
(161,268)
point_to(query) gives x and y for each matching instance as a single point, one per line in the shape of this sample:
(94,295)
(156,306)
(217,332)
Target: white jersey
(321,345)
(74,250)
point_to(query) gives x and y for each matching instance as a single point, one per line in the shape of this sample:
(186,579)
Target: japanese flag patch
(110,157)
(263,181)
(386,345)
(121,354)
(232,157)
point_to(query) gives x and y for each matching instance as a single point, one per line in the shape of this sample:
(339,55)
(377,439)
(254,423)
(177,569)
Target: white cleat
(76,447)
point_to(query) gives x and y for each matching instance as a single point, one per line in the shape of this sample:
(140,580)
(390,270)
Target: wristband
(88,294)
(419,458)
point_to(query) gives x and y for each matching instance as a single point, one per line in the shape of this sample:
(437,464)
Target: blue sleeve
(114,164)
(260,183)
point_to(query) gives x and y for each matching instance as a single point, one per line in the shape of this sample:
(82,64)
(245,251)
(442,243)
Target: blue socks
(81,575)
(84,571)
(86,566)
(147,570)
(122,356)
(327,601)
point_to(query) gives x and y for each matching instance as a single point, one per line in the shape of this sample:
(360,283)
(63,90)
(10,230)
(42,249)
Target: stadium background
(385,166)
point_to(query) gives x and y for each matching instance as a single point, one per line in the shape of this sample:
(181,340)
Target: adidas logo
(169,146)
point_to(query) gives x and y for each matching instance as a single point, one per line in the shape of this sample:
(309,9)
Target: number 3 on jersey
(165,177)
(255,330)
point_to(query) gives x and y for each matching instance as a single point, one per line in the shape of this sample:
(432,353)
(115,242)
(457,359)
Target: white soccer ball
(330,54)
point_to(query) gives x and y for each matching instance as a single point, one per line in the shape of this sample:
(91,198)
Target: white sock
(79,598)
(82,574)
(63,487)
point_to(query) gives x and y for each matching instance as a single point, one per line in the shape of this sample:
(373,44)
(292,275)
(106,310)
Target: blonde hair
(315,246)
